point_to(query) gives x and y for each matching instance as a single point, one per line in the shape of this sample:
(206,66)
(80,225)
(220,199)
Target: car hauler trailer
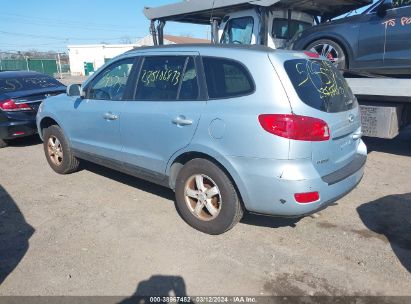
(265,21)
(385,103)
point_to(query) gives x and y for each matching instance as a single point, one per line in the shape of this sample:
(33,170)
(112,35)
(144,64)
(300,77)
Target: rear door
(164,113)
(323,93)
(397,24)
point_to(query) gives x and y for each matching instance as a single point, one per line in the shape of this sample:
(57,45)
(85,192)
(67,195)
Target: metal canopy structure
(200,11)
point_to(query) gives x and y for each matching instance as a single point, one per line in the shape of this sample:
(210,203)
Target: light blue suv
(228,128)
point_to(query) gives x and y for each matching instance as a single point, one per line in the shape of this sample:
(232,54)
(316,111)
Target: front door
(97,115)
(370,50)
(164,114)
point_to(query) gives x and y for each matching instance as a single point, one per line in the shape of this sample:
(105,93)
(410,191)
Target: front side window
(226,78)
(167,78)
(111,83)
(238,31)
(283,29)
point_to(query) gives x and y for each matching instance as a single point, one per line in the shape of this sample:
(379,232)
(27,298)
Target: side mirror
(383,8)
(75,90)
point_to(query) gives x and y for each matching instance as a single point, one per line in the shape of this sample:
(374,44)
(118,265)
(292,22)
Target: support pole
(59,66)
(263,12)
(153,32)
(289,25)
(160,32)
(214,30)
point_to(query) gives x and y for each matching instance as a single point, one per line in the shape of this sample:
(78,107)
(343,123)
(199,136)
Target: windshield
(238,31)
(320,85)
(26,83)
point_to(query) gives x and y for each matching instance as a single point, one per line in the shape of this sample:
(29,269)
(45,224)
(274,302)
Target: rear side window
(167,78)
(320,85)
(27,83)
(282,29)
(226,78)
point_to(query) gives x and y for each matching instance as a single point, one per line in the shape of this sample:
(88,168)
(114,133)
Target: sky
(53,24)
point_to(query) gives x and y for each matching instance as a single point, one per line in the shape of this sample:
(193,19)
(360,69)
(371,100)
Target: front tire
(57,151)
(3,143)
(331,50)
(206,197)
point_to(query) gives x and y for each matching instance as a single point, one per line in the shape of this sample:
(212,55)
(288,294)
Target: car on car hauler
(228,128)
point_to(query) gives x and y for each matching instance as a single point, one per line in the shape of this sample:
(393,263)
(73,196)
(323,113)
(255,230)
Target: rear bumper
(269,185)
(11,129)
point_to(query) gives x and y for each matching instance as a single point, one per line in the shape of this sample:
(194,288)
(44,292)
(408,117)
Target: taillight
(306,198)
(295,127)
(10,106)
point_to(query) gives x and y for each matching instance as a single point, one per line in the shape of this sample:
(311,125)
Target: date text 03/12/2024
(187,299)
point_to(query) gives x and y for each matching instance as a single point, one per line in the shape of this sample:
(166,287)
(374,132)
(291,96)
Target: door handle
(356,136)
(182,121)
(110,116)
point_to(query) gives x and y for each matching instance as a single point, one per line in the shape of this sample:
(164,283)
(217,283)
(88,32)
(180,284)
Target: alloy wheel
(329,52)
(55,150)
(203,197)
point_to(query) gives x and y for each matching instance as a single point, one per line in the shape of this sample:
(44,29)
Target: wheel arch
(177,163)
(47,121)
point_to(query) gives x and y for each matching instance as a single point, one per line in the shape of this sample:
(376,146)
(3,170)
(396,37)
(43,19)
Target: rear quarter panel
(231,126)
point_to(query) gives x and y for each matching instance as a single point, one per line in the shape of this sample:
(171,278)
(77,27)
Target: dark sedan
(21,94)
(376,41)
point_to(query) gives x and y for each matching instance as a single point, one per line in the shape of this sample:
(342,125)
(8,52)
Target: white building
(92,56)
(85,59)
(169,39)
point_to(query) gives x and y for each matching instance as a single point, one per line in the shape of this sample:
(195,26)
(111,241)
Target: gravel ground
(99,232)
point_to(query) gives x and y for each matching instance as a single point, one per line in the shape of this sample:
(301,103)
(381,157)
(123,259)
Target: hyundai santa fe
(229,128)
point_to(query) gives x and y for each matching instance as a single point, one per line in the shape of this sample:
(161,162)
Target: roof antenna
(212,10)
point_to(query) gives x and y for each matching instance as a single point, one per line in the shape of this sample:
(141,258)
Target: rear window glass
(14,84)
(320,85)
(226,78)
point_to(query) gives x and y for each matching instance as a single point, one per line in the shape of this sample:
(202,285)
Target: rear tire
(332,50)
(3,143)
(58,152)
(206,197)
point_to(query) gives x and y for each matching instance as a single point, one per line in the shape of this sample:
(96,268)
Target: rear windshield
(26,83)
(320,85)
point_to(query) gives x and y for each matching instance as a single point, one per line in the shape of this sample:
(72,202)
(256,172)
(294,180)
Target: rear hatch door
(320,91)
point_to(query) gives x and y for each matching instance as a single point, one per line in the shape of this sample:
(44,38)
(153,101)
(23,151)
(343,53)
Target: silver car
(229,128)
